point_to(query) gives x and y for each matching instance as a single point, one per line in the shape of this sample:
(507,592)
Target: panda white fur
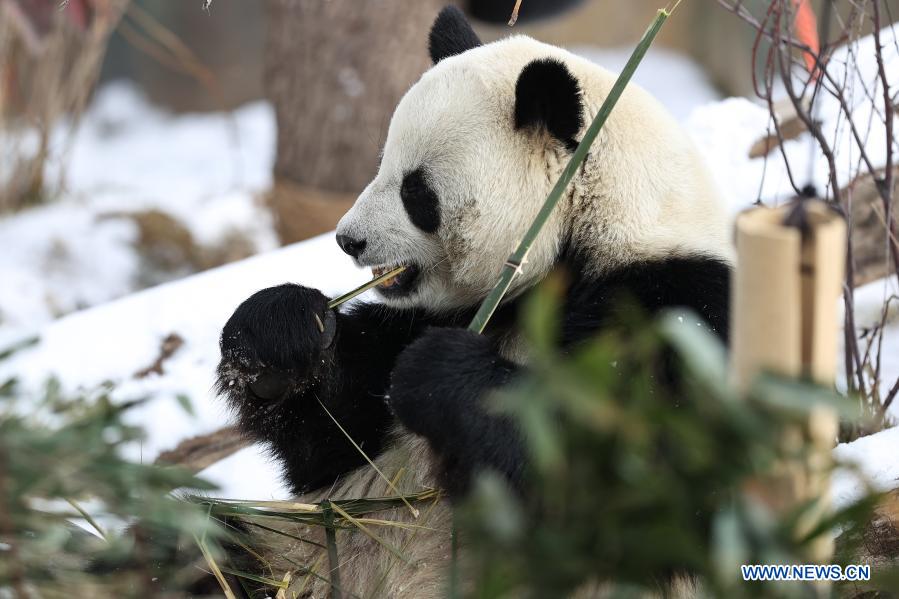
(472,151)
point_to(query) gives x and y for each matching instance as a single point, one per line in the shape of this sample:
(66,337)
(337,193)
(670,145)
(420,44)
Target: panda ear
(451,34)
(547,95)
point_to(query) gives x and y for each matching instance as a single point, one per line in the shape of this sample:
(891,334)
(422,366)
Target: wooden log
(872,259)
(791,127)
(202,451)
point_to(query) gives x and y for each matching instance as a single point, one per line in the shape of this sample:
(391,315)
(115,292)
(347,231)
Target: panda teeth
(381,270)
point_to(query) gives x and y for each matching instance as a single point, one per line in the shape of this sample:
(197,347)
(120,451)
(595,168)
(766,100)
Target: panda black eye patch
(420,201)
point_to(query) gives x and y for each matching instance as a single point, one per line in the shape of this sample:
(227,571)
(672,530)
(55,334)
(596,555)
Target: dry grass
(45,76)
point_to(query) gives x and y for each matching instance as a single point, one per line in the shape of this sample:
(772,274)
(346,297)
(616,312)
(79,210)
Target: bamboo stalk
(363,288)
(331,538)
(518,258)
(514,18)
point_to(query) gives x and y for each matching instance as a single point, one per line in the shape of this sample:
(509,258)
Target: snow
(248,474)
(205,170)
(869,304)
(674,79)
(874,466)
(111,343)
(725,131)
(871,461)
(58,259)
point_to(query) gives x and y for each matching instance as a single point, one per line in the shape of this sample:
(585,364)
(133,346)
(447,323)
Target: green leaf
(800,397)
(186,404)
(729,545)
(703,353)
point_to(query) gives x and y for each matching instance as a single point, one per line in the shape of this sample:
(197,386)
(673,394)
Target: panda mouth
(399,284)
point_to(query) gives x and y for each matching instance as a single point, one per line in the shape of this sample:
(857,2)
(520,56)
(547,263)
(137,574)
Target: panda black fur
(472,151)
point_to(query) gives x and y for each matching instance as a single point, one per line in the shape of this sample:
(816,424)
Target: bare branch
(805,75)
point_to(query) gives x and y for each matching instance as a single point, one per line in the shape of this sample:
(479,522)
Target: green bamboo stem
(518,259)
(331,539)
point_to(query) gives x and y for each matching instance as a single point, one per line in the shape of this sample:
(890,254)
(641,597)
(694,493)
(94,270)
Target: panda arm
(290,368)
(441,379)
(438,387)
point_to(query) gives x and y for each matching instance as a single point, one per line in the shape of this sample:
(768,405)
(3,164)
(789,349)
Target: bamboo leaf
(369,460)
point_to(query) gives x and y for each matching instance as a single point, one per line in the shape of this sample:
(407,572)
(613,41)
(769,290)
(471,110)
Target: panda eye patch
(420,201)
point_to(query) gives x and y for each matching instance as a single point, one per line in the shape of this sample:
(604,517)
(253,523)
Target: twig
(518,259)
(885,185)
(148,35)
(167,348)
(888,401)
(776,26)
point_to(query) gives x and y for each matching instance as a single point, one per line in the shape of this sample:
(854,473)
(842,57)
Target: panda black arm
(437,391)
(440,380)
(285,355)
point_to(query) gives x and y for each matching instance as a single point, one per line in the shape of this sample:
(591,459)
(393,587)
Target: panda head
(471,153)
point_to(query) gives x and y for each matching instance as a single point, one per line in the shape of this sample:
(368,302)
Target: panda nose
(351,246)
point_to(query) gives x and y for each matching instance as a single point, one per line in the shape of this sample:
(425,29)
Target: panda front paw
(438,381)
(438,390)
(277,340)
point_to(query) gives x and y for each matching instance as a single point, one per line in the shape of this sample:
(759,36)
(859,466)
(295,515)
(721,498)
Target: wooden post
(786,291)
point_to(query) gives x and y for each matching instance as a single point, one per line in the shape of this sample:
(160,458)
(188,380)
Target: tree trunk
(334,71)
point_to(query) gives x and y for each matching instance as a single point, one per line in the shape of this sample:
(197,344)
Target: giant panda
(472,151)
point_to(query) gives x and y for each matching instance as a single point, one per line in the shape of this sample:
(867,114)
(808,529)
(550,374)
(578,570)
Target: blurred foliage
(643,464)
(61,462)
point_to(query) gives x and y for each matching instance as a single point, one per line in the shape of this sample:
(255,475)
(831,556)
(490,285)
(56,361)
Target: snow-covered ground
(114,341)
(206,170)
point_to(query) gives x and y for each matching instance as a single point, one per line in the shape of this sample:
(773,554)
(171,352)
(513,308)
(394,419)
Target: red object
(79,12)
(40,13)
(806,27)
